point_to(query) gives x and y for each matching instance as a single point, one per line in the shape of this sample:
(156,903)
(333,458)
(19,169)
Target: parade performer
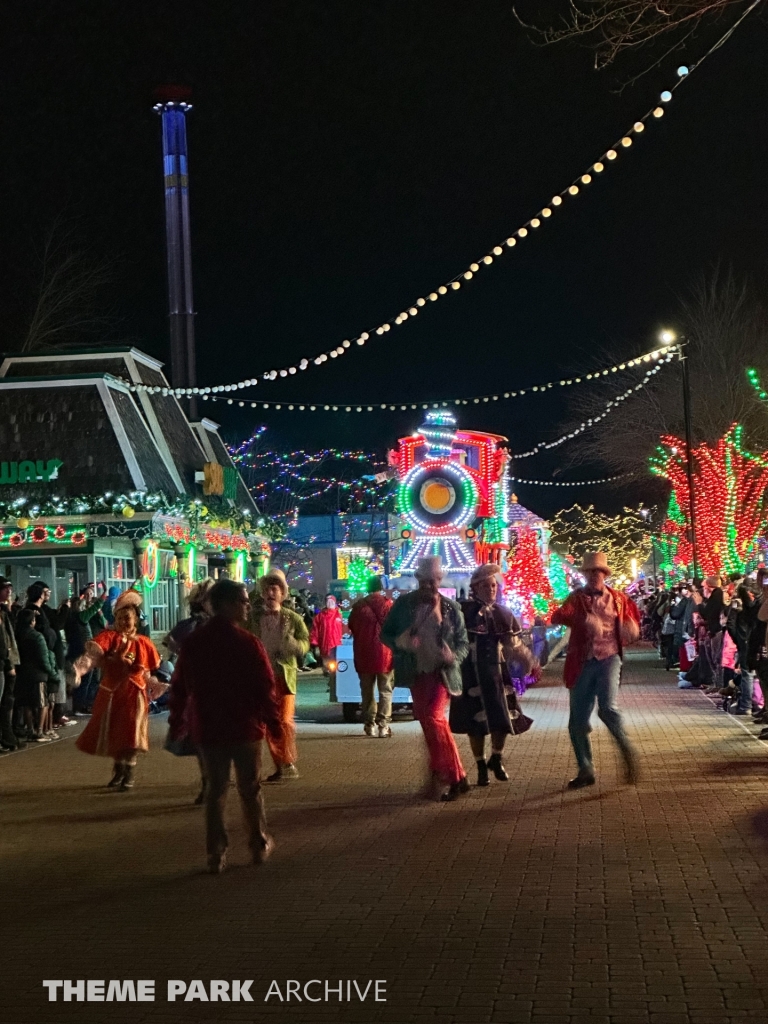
(601,621)
(285,639)
(427,634)
(118,726)
(327,629)
(373,661)
(224,696)
(488,702)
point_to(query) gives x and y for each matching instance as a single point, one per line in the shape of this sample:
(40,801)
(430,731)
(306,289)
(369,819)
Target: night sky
(346,158)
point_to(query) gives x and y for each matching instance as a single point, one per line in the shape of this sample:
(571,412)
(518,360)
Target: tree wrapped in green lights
(729,486)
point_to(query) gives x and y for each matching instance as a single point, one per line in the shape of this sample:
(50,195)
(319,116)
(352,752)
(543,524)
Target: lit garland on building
(125,506)
(729,488)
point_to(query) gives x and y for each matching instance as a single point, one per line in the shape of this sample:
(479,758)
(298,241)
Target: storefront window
(115,572)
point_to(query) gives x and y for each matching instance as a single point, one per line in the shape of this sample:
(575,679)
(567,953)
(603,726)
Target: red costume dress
(118,724)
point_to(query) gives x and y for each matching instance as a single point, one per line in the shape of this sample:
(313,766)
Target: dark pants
(247,760)
(84,695)
(7,687)
(669,649)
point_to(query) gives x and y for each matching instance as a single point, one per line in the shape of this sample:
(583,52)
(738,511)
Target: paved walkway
(522,903)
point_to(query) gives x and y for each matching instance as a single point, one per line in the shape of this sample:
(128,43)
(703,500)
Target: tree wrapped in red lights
(729,488)
(526,583)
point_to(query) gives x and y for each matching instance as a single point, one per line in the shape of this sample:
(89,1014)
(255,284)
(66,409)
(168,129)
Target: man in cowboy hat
(601,621)
(427,634)
(285,638)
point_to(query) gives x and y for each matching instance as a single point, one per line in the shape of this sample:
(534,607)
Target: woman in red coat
(118,727)
(327,628)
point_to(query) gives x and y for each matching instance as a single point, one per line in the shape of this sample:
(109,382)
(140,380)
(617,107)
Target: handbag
(182,746)
(521,723)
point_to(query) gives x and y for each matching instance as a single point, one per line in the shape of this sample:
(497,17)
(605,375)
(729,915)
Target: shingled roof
(77,407)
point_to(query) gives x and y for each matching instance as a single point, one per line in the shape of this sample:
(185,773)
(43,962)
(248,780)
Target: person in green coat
(285,639)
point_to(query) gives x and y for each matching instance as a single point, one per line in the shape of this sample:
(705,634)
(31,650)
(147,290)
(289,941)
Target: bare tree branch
(68,308)
(612,27)
(725,327)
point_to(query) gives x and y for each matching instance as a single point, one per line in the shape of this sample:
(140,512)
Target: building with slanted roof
(101,479)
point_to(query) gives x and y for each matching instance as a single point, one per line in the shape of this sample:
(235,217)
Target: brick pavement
(522,903)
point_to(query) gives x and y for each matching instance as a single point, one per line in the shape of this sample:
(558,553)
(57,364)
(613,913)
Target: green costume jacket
(297,641)
(453,632)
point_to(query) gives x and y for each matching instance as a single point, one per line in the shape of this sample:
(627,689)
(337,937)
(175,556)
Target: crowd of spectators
(714,633)
(38,647)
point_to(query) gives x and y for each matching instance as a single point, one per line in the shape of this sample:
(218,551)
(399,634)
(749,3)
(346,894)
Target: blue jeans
(747,690)
(598,681)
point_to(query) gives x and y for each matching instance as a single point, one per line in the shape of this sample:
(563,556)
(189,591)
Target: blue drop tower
(173,105)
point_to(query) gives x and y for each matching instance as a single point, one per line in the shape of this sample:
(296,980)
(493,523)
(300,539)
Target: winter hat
(595,560)
(430,568)
(484,572)
(275,576)
(129,599)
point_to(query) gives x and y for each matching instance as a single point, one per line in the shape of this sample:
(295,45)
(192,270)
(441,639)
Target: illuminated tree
(729,486)
(623,537)
(526,582)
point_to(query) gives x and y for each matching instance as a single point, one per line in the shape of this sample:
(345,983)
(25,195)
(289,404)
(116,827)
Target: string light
(571,483)
(609,408)
(661,356)
(570,191)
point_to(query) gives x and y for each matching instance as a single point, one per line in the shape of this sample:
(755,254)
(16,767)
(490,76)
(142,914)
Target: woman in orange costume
(118,725)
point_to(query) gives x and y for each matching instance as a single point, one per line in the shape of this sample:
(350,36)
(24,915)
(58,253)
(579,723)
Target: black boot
(482,773)
(200,798)
(117,774)
(495,765)
(128,777)
(455,790)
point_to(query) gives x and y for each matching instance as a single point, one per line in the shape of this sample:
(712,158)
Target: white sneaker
(370,729)
(384,732)
(41,739)
(290,771)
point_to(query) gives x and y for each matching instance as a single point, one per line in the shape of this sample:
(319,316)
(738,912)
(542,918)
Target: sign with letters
(28,472)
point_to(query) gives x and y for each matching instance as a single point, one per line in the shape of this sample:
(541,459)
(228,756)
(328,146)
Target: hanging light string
(609,408)
(659,356)
(570,483)
(561,199)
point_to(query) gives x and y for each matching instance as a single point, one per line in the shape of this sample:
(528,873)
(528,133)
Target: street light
(644,512)
(668,337)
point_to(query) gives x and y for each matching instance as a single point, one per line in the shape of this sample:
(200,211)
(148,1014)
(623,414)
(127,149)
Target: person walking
(427,635)
(223,695)
(601,621)
(373,661)
(285,638)
(118,727)
(327,630)
(488,704)
(200,612)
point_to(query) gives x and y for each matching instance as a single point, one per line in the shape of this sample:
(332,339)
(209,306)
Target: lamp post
(645,513)
(669,336)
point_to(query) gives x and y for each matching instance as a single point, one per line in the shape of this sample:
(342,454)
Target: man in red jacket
(373,661)
(601,621)
(223,695)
